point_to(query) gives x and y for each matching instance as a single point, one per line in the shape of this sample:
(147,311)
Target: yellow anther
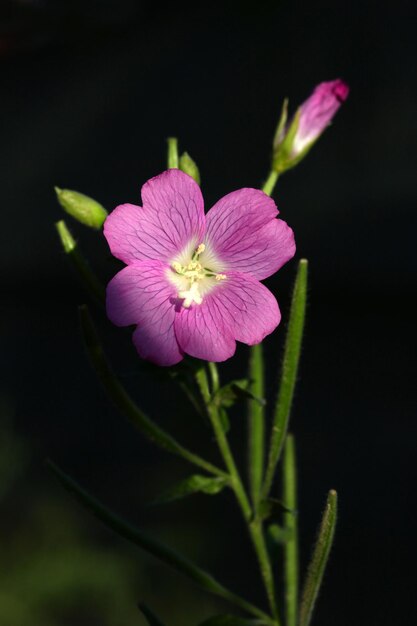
(200,249)
(177,267)
(220,277)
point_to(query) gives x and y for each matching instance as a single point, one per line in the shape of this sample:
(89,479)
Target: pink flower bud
(317,112)
(294,139)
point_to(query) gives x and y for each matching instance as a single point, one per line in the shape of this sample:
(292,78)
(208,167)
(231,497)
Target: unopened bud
(189,166)
(81,207)
(293,140)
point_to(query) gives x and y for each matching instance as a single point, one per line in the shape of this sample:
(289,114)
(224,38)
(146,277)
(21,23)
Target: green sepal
(231,620)
(150,616)
(189,166)
(282,153)
(236,390)
(281,125)
(210,485)
(272,507)
(81,207)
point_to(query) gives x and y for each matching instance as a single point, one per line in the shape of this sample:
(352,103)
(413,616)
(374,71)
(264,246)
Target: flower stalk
(289,498)
(255,526)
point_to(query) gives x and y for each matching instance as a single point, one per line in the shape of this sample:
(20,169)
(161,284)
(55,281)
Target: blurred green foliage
(52,572)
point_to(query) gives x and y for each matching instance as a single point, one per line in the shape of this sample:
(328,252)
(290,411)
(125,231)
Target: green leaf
(236,390)
(189,166)
(231,620)
(319,560)
(150,616)
(289,372)
(272,507)
(278,535)
(150,545)
(194,484)
(125,403)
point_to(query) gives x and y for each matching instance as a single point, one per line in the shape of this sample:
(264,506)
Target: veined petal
(202,331)
(266,251)
(172,216)
(141,294)
(234,222)
(248,310)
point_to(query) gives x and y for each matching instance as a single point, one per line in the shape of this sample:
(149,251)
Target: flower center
(193,280)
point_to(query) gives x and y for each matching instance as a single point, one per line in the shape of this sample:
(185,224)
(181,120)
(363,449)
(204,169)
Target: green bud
(81,207)
(172,156)
(189,166)
(67,240)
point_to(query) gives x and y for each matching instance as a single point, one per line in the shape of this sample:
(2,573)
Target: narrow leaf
(289,373)
(125,403)
(289,497)
(319,560)
(147,543)
(236,390)
(194,484)
(151,618)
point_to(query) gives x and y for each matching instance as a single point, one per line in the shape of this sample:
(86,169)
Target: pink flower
(191,284)
(312,118)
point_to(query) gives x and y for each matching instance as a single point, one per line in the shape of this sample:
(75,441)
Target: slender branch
(154,547)
(270,182)
(254,525)
(289,498)
(79,262)
(256,425)
(172,156)
(125,403)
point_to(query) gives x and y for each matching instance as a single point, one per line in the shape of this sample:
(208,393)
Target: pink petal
(237,234)
(171,217)
(239,308)
(141,294)
(202,332)
(248,309)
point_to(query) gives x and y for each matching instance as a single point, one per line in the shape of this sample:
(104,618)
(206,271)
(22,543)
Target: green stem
(256,424)
(254,525)
(125,403)
(270,182)
(158,550)
(319,560)
(172,157)
(89,279)
(214,375)
(288,375)
(289,498)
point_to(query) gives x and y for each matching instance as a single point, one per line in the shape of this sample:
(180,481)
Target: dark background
(89,92)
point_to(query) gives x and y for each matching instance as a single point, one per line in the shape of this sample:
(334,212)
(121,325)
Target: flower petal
(203,333)
(235,227)
(265,252)
(238,308)
(172,215)
(141,294)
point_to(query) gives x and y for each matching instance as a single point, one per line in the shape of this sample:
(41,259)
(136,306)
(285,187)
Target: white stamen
(220,277)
